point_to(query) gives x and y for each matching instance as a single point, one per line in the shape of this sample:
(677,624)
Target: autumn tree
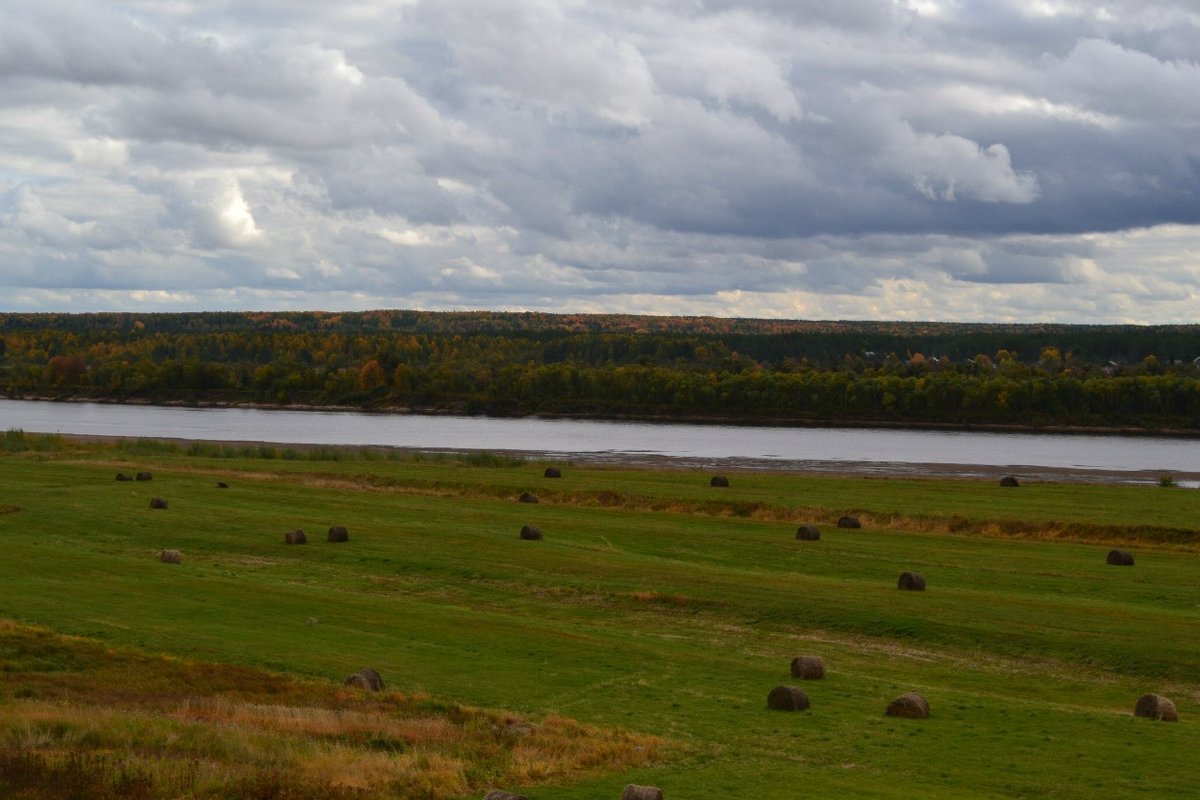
(371,375)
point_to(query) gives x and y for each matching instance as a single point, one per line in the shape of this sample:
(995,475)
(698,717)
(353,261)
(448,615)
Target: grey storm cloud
(899,158)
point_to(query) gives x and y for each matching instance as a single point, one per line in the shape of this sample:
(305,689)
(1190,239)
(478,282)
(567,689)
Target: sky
(959,160)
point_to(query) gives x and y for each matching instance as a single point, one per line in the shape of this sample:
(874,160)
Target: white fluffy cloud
(872,158)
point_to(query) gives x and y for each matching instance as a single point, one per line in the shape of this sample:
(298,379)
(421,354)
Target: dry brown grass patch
(660,599)
(72,706)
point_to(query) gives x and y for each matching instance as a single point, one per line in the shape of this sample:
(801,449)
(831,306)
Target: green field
(657,605)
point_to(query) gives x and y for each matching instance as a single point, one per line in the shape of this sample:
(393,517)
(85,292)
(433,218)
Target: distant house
(1196,361)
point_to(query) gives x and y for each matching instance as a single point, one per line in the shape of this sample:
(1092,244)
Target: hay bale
(719,481)
(808,533)
(531,532)
(222,485)
(1009,480)
(910,705)
(1157,707)
(911,582)
(157,502)
(1120,558)
(552,472)
(170,557)
(121,476)
(808,668)
(849,522)
(499,794)
(144,476)
(787,698)
(366,678)
(635,792)
(527,497)
(338,533)
(1166,711)
(295,537)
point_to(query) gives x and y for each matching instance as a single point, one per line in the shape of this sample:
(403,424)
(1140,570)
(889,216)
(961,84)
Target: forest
(686,368)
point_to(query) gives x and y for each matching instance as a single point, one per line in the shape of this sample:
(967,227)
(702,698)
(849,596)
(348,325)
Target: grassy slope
(84,721)
(656,617)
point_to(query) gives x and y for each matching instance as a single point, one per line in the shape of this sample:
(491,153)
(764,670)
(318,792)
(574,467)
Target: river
(883,451)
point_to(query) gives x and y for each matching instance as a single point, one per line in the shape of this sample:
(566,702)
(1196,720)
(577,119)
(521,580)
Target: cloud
(734,59)
(867,158)
(1129,84)
(537,52)
(25,212)
(945,167)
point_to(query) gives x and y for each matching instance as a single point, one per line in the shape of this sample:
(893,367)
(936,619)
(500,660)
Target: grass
(655,605)
(17,441)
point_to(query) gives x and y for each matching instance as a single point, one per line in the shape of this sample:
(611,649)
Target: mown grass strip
(995,527)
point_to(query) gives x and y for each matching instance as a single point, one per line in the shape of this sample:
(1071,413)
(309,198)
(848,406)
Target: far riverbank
(656,419)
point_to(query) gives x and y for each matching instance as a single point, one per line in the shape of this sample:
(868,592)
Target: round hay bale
(527,497)
(911,582)
(808,668)
(1120,558)
(144,476)
(170,557)
(552,472)
(1157,707)
(157,502)
(531,532)
(1009,480)
(910,705)
(719,481)
(366,678)
(849,522)
(499,794)
(295,537)
(808,533)
(1166,711)
(338,533)
(121,476)
(635,792)
(787,698)
(222,485)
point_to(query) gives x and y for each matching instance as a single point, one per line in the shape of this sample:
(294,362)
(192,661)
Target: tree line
(619,365)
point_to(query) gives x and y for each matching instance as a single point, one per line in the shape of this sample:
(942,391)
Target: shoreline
(868,463)
(881,470)
(658,419)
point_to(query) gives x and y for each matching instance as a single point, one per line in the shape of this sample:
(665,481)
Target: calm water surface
(600,439)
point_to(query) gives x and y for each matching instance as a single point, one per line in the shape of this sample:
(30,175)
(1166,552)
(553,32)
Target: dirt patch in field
(241,561)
